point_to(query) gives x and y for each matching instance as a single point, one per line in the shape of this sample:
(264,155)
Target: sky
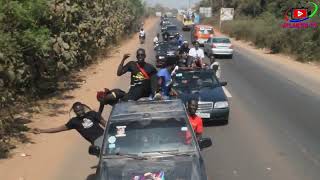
(172,3)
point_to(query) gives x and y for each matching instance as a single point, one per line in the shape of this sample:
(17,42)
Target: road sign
(226,14)
(205,11)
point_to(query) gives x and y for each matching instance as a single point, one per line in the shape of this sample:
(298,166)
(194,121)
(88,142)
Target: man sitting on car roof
(197,55)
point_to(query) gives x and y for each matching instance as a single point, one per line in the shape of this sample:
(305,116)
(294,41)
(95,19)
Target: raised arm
(122,69)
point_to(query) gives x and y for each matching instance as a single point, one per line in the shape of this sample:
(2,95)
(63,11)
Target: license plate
(204,115)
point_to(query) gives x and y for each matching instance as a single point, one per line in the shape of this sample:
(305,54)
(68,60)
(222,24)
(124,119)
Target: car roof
(144,109)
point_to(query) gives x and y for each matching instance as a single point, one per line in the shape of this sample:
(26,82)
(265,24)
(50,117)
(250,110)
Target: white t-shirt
(218,72)
(155,39)
(196,53)
(142,33)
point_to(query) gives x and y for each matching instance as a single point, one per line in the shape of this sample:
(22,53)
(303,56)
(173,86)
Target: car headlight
(161,57)
(221,105)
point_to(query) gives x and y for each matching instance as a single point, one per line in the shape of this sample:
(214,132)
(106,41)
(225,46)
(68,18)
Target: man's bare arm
(121,70)
(51,130)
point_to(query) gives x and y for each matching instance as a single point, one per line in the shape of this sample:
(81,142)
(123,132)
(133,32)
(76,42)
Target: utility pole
(222,4)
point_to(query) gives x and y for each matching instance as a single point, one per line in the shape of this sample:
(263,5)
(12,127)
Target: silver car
(218,46)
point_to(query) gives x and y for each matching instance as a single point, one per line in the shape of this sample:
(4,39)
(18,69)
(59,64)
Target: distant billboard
(158,14)
(226,14)
(206,11)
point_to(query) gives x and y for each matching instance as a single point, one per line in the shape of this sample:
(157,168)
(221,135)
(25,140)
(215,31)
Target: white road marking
(228,94)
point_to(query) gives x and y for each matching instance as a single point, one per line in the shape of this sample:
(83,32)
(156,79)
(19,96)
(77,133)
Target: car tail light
(214,46)
(231,46)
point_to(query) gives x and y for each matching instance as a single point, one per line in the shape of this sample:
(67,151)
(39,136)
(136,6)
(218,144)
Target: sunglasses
(140,55)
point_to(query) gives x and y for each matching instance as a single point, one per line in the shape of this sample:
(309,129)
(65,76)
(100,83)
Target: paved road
(273,131)
(274,124)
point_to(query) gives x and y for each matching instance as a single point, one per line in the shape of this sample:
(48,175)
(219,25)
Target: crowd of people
(146,82)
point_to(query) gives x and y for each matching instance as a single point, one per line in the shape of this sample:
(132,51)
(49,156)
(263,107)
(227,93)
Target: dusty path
(47,157)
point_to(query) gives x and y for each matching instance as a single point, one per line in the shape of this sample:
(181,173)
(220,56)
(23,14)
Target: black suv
(172,30)
(153,137)
(167,53)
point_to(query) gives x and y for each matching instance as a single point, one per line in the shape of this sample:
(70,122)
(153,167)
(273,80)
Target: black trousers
(147,88)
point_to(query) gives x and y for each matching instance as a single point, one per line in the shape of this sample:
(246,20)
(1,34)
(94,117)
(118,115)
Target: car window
(150,135)
(189,80)
(206,31)
(221,40)
(171,27)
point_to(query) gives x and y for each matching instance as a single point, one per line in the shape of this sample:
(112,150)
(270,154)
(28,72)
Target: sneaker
(157,96)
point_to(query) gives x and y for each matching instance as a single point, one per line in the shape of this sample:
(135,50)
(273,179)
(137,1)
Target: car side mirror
(204,143)
(94,150)
(223,83)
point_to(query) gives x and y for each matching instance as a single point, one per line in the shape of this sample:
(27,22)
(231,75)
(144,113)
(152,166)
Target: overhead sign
(206,11)
(226,14)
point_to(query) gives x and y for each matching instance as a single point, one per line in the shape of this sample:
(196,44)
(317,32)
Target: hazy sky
(172,3)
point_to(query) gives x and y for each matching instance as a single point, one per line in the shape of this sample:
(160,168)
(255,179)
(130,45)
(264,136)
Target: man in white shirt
(215,66)
(197,53)
(156,39)
(142,33)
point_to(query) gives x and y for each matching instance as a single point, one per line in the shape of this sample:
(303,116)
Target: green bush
(265,31)
(40,40)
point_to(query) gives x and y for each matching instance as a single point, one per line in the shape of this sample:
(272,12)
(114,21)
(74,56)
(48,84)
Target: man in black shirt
(86,123)
(143,76)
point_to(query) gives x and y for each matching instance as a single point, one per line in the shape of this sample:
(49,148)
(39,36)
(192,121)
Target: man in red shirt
(195,121)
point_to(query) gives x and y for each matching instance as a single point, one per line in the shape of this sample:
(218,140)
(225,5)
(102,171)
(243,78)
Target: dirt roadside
(43,158)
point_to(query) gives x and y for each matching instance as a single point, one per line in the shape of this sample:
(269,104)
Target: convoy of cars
(156,137)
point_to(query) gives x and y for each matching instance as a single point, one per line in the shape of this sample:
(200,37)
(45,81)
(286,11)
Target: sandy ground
(44,156)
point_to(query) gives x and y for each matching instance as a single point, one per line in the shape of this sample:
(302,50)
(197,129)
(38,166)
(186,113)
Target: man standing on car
(195,121)
(197,54)
(143,76)
(86,123)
